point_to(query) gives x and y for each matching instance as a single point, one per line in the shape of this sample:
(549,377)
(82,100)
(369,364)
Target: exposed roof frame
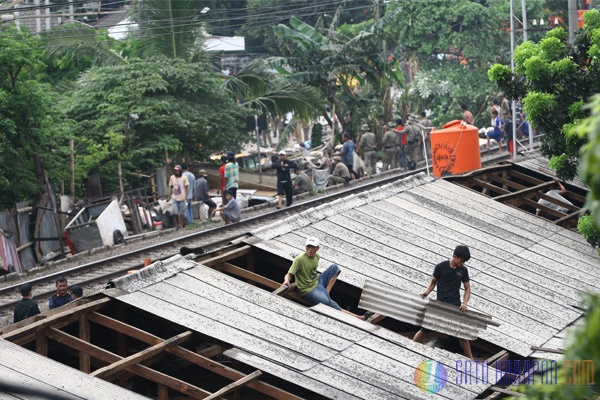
(111,365)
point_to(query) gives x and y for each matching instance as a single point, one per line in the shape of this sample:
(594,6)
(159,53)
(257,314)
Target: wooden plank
(525,177)
(506,391)
(230,255)
(162,393)
(68,316)
(489,186)
(245,274)
(141,356)
(230,373)
(289,374)
(41,343)
(525,191)
(235,386)
(501,356)
(84,334)
(139,370)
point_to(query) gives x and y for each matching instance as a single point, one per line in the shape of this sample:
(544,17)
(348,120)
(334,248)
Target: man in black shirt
(26,307)
(448,276)
(284,179)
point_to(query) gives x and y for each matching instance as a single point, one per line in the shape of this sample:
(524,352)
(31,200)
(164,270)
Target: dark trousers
(286,188)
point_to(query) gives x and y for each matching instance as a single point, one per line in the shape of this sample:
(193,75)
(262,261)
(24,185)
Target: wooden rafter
(234,386)
(141,356)
(201,360)
(230,255)
(137,369)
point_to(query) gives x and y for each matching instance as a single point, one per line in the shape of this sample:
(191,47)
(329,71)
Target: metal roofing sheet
(318,351)
(526,272)
(50,379)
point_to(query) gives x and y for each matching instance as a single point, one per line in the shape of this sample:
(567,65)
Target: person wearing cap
(179,187)
(232,174)
(26,307)
(302,183)
(389,148)
(414,146)
(347,154)
(284,179)
(368,144)
(201,189)
(340,173)
(189,215)
(315,288)
(230,212)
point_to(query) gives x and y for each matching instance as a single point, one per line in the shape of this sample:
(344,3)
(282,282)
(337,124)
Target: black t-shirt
(448,282)
(283,173)
(24,309)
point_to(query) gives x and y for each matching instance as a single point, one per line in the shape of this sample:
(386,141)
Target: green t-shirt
(304,270)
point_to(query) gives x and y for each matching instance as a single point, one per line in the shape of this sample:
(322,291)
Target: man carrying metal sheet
(313,287)
(448,276)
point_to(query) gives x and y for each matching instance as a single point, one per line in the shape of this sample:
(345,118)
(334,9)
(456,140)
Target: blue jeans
(189,216)
(319,294)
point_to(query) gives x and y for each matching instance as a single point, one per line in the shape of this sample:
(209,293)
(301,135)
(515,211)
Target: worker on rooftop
(312,287)
(448,276)
(62,295)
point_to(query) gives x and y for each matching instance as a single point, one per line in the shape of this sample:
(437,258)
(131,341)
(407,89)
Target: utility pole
(572,20)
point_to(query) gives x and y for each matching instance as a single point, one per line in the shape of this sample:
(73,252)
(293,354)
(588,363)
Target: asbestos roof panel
(540,163)
(47,378)
(527,273)
(319,351)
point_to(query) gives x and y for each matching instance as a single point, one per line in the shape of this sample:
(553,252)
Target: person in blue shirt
(231,211)
(62,295)
(347,153)
(495,134)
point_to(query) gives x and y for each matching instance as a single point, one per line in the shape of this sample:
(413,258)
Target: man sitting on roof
(448,276)
(313,287)
(556,194)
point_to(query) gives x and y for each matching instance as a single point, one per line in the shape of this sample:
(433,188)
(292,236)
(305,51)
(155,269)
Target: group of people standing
(26,307)
(184,187)
(501,128)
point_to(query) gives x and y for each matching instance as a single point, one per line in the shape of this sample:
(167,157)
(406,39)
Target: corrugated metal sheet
(321,351)
(432,314)
(526,272)
(37,377)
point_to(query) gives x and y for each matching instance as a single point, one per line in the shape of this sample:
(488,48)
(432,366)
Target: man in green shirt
(313,287)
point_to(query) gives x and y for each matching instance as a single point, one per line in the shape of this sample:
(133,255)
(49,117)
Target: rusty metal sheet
(289,375)
(215,329)
(26,255)
(22,366)
(229,319)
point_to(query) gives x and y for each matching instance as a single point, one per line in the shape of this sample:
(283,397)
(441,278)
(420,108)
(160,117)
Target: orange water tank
(455,149)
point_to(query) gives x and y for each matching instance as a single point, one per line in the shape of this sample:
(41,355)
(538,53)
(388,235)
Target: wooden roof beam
(114,368)
(66,317)
(201,359)
(139,370)
(230,255)
(234,386)
(523,192)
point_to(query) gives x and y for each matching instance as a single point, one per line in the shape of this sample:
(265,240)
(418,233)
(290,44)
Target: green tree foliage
(436,36)
(136,112)
(340,65)
(589,168)
(585,346)
(170,28)
(555,79)
(29,140)
(263,15)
